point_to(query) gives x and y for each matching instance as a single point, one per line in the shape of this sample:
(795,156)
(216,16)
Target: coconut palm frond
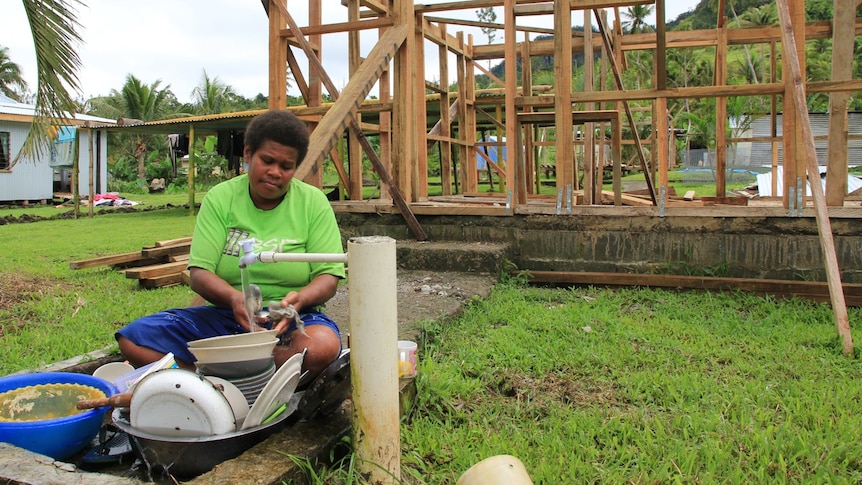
(54,25)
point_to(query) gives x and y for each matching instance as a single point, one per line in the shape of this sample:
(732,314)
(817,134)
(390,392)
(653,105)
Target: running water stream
(252,297)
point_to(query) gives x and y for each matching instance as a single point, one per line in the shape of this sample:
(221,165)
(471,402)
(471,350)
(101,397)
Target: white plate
(238,339)
(234,396)
(180,403)
(277,392)
(235,353)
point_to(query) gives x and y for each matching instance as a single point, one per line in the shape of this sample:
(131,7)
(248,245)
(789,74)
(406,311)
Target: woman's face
(270,170)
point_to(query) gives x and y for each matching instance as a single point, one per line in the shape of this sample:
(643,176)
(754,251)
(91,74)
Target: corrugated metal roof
(761,152)
(203,124)
(17,110)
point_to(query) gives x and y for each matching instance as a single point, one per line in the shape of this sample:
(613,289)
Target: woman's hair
(281,127)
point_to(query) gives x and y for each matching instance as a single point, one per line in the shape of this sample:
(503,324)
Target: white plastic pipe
(373,304)
(273,257)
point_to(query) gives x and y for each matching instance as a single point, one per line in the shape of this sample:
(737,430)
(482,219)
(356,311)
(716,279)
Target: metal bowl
(185,457)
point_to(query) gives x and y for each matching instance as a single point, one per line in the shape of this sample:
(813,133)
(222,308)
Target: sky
(175,41)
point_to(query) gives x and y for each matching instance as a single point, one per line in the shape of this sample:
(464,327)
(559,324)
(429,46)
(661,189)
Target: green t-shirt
(302,223)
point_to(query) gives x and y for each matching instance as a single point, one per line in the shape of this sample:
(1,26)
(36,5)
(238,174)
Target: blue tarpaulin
(63,151)
(491,151)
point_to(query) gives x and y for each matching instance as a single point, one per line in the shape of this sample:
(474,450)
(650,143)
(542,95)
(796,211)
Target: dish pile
(246,360)
(178,403)
(186,423)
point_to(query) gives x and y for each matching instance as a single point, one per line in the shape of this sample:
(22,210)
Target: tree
(634,23)
(12,84)
(213,96)
(488,16)
(635,19)
(53,24)
(142,102)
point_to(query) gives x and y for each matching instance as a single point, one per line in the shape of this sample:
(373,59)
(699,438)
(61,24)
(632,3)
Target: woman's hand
(218,292)
(237,304)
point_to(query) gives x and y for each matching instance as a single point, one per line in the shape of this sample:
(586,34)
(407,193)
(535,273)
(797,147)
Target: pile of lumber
(162,264)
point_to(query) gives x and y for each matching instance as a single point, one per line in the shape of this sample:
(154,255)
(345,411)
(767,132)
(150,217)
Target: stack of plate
(252,385)
(235,356)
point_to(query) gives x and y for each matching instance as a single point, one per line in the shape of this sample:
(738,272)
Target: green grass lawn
(582,385)
(638,386)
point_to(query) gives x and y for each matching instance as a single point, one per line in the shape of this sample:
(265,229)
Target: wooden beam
(373,5)
(341,115)
(566,176)
(164,251)
(155,270)
(515,172)
(474,23)
(680,39)
(647,171)
(443,127)
(813,290)
(842,70)
(109,260)
(419,112)
(592,177)
(338,117)
(336,28)
(354,149)
(277,58)
(571,4)
(720,71)
(824,227)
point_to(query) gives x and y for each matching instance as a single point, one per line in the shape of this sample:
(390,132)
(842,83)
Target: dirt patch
(17,289)
(422,295)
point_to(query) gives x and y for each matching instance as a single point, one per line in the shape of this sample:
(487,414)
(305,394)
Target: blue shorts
(171,330)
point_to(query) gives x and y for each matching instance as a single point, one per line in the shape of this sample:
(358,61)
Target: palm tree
(635,23)
(12,84)
(213,96)
(53,24)
(141,102)
(635,16)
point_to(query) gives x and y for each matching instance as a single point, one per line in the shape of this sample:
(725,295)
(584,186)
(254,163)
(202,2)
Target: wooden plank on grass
(186,277)
(169,250)
(111,259)
(813,290)
(174,242)
(156,270)
(161,281)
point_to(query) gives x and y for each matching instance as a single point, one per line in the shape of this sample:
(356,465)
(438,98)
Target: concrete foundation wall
(752,247)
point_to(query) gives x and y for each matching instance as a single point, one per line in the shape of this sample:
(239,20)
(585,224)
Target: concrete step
(458,256)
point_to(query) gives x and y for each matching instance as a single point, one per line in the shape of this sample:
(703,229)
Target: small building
(29,179)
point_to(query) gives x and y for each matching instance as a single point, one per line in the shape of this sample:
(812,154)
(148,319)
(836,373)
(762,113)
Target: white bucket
(496,470)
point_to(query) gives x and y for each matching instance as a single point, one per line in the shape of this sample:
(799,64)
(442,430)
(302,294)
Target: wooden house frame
(452,119)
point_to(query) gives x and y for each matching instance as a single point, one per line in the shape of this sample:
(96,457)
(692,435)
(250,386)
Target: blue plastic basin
(58,438)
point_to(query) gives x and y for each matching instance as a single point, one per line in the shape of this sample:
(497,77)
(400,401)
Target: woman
(281,214)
